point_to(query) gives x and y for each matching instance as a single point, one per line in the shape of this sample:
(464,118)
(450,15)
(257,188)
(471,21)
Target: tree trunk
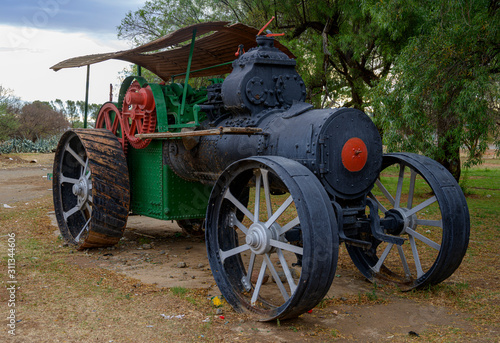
(450,156)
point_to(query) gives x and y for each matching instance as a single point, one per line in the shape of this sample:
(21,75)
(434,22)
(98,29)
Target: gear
(139,114)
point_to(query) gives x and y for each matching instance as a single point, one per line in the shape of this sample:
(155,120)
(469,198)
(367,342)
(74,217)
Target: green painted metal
(186,80)
(85,116)
(156,191)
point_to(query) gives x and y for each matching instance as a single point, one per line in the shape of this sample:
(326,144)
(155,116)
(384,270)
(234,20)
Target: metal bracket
(340,222)
(376,229)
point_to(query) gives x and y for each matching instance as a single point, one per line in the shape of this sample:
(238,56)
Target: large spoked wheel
(272,237)
(422,203)
(90,188)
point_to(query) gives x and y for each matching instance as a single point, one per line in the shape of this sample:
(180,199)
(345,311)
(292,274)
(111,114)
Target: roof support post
(186,80)
(85,115)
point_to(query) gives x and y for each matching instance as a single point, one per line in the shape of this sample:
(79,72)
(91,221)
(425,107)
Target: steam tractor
(274,184)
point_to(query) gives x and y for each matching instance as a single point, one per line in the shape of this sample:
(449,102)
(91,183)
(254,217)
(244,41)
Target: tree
(74,111)
(341,51)
(9,106)
(40,120)
(443,93)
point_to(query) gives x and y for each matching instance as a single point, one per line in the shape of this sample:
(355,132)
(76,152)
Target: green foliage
(9,124)
(442,93)
(427,70)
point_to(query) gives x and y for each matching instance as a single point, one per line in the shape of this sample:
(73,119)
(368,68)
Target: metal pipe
(86,98)
(186,80)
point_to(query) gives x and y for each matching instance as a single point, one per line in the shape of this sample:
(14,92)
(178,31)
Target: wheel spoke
(382,258)
(131,130)
(276,277)
(107,120)
(258,284)
(287,272)
(70,212)
(385,191)
(267,192)
(87,206)
(232,252)
(138,125)
(238,204)
(294,222)
(250,266)
(380,206)
(421,206)
(116,121)
(74,154)
(280,211)
(77,238)
(399,189)
(416,258)
(64,179)
(257,196)
(403,260)
(238,224)
(287,246)
(424,239)
(411,191)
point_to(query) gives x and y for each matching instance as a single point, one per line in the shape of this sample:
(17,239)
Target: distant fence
(25,145)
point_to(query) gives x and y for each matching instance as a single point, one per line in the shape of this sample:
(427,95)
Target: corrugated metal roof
(165,57)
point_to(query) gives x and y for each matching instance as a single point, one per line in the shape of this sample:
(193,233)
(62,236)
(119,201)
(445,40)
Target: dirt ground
(157,254)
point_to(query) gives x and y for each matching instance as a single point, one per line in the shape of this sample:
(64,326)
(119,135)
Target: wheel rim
(260,250)
(432,216)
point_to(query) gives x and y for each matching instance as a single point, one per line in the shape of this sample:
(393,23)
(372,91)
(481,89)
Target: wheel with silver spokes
(90,188)
(271,237)
(419,201)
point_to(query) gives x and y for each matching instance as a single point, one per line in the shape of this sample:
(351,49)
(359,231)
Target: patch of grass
(179,291)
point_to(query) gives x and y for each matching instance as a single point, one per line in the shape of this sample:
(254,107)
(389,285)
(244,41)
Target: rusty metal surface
(172,59)
(211,132)
(103,221)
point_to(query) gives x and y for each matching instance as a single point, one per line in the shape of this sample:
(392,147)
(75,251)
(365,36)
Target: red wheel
(139,114)
(110,118)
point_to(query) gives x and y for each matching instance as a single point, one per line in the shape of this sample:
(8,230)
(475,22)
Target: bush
(25,145)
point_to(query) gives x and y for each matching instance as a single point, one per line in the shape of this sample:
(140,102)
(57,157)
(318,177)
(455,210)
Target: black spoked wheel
(192,227)
(426,207)
(90,188)
(272,237)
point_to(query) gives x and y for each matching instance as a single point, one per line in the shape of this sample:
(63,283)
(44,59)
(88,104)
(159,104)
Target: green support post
(86,98)
(186,80)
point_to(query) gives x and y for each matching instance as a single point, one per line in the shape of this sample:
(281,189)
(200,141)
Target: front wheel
(421,202)
(272,237)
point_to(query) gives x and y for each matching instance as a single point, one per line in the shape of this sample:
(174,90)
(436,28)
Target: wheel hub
(82,190)
(404,221)
(259,237)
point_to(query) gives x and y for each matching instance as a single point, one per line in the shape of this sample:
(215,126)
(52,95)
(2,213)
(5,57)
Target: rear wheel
(90,188)
(272,237)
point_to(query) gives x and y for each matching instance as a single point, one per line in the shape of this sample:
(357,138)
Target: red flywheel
(110,118)
(139,114)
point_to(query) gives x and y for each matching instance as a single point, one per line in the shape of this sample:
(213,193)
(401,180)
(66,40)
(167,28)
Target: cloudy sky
(36,34)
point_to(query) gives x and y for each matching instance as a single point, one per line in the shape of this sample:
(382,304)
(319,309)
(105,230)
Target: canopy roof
(165,58)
